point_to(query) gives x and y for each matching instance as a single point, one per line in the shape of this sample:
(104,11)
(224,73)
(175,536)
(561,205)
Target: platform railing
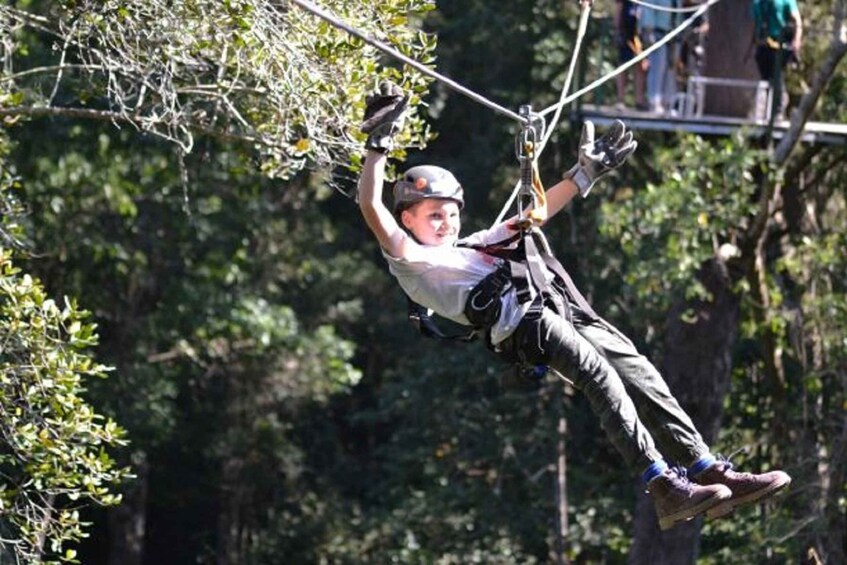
(691,103)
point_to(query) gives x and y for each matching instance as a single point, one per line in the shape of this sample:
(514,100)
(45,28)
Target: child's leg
(554,340)
(668,423)
(673,429)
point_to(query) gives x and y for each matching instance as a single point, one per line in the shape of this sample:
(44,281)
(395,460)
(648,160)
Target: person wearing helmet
(421,192)
(459,278)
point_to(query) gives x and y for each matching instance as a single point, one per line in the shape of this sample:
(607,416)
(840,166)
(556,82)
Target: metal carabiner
(533,129)
(525,146)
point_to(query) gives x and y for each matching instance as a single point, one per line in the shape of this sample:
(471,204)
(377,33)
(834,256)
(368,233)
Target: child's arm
(560,195)
(596,159)
(378,217)
(383,118)
(797,41)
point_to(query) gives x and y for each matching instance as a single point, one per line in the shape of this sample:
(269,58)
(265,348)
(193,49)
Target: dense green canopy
(169,168)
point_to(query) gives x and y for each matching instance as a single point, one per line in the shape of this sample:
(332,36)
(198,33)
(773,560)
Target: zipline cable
(563,100)
(658,8)
(329,18)
(635,60)
(580,35)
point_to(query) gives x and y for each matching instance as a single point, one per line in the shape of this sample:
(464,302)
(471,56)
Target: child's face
(433,221)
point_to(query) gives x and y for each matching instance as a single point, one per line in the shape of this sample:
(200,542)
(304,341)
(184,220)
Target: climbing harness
(527,264)
(524,255)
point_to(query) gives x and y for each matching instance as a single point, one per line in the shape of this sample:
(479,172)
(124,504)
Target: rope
(635,60)
(580,35)
(329,18)
(659,8)
(566,100)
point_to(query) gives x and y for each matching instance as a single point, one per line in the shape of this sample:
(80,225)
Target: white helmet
(426,181)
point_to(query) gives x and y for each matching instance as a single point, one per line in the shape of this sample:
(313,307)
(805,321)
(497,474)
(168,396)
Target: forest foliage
(170,167)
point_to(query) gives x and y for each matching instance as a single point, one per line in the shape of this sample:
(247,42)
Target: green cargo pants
(635,406)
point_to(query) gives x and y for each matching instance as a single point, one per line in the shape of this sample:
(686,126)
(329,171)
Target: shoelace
(726,460)
(679,478)
(682,476)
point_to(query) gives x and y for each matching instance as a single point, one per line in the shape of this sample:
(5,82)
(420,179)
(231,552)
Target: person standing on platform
(655,24)
(778,36)
(629,45)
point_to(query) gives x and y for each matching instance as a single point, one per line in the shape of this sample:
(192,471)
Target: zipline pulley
(532,202)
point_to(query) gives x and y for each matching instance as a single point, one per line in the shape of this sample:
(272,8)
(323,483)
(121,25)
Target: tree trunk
(697,366)
(728,55)
(562,487)
(835,542)
(230,518)
(128,520)
(834,55)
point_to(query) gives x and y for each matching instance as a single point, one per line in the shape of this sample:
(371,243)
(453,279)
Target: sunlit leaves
(295,363)
(54,456)
(11,208)
(822,264)
(268,73)
(704,201)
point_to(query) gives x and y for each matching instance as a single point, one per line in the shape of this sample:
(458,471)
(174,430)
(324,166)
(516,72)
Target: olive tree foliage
(265,72)
(54,455)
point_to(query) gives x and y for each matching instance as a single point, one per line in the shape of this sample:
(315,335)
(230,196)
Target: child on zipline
(468,281)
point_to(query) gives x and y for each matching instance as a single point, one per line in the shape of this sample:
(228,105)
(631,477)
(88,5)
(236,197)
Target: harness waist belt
(485,300)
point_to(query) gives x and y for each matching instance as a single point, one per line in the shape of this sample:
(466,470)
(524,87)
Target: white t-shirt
(441,277)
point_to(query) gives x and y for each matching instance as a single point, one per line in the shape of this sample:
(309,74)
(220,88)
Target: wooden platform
(814,132)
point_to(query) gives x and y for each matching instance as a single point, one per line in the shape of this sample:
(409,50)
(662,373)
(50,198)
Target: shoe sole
(730,505)
(669,522)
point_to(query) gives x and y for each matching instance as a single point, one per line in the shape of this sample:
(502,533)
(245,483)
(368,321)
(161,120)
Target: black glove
(384,116)
(596,158)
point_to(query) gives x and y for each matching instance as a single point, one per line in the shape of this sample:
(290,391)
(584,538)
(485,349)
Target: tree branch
(48,69)
(136,120)
(836,52)
(24,16)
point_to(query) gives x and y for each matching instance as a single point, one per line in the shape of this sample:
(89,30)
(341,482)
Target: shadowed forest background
(181,180)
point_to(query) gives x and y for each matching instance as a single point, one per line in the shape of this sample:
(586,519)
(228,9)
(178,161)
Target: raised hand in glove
(384,116)
(598,157)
